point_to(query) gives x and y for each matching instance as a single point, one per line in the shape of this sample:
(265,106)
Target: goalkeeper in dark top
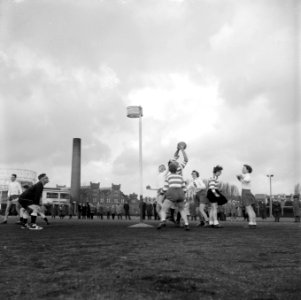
(30,202)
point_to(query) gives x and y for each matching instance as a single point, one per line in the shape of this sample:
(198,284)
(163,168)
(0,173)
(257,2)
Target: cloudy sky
(219,75)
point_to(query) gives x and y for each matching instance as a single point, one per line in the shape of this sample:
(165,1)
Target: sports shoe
(217,226)
(201,224)
(24,226)
(35,227)
(4,222)
(252,226)
(171,219)
(161,224)
(186,227)
(207,225)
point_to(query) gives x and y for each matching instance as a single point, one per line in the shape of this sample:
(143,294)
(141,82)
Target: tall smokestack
(75,171)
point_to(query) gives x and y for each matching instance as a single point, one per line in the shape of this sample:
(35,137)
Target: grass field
(94,259)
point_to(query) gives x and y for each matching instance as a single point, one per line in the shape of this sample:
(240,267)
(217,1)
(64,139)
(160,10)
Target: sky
(223,76)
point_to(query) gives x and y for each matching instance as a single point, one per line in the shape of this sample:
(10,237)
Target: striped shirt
(174,181)
(213,183)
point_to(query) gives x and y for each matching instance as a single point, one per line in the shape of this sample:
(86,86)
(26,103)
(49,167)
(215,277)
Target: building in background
(56,196)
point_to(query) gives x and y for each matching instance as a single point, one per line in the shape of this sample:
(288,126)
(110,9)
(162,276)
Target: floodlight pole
(137,112)
(271,204)
(140,166)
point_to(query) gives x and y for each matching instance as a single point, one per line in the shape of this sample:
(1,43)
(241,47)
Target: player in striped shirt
(215,197)
(174,190)
(181,164)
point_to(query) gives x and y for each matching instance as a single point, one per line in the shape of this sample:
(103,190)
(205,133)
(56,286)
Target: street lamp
(270,177)
(135,112)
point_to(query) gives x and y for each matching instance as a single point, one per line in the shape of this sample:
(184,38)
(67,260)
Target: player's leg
(167,204)
(25,216)
(214,215)
(42,215)
(34,214)
(183,213)
(8,205)
(203,213)
(251,215)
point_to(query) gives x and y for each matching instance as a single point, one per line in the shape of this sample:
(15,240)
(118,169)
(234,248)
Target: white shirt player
(14,188)
(197,184)
(245,181)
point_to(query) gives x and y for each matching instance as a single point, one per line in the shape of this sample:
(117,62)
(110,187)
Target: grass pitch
(100,259)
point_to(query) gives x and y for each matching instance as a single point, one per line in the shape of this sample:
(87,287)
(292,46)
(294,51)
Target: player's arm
(38,193)
(245,179)
(184,186)
(185,157)
(176,155)
(8,192)
(165,187)
(20,189)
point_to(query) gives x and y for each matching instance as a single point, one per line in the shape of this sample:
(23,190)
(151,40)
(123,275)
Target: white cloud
(219,75)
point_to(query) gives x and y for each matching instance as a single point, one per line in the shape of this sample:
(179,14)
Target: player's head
(43,178)
(172,161)
(13,177)
(217,170)
(247,169)
(162,168)
(25,187)
(172,167)
(195,174)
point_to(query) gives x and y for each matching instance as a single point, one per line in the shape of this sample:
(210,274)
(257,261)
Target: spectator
(156,217)
(262,210)
(92,211)
(149,210)
(88,211)
(126,207)
(119,211)
(276,209)
(70,210)
(108,212)
(61,212)
(233,209)
(113,211)
(143,208)
(84,211)
(296,208)
(99,209)
(221,213)
(79,211)
(53,211)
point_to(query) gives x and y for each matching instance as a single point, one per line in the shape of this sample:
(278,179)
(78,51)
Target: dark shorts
(175,194)
(25,202)
(221,200)
(12,197)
